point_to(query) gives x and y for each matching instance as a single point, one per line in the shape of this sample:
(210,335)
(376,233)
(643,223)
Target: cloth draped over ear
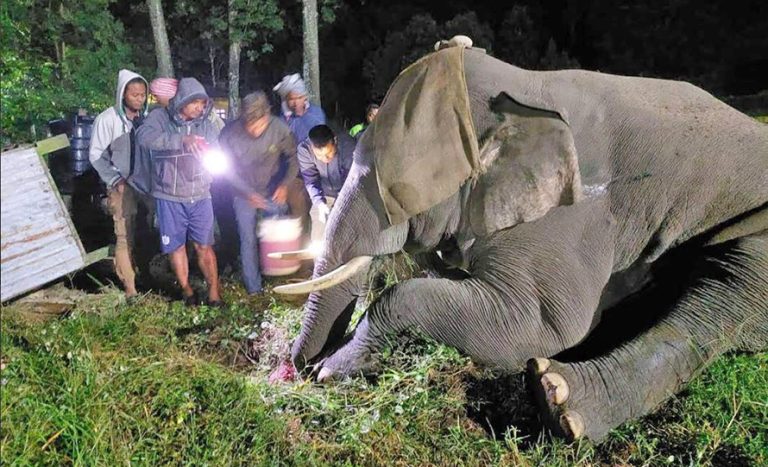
(423,139)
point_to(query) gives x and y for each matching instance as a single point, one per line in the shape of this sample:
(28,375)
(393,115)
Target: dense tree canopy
(61,55)
(58,56)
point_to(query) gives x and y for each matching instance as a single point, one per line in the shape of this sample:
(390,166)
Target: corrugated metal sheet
(38,242)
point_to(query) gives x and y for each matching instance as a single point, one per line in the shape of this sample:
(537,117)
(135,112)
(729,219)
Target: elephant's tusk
(306,253)
(337,276)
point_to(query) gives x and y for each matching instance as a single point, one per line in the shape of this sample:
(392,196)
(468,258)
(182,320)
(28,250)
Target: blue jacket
(178,174)
(300,126)
(323,179)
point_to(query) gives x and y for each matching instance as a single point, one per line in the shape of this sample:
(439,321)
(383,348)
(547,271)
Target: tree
(57,57)
(311,49)
(234,61)
(162,47)
(518,39)
(200,37)
(416,39)
(250,24)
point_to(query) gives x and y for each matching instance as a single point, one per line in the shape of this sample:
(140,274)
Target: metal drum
(80,154)
(82,130)
(80,167)
(80,143)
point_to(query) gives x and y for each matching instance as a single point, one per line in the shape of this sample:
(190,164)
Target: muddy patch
(498,402)
(730,455)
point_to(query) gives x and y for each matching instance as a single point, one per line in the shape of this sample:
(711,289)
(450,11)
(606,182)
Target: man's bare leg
(206,260)
(180,266)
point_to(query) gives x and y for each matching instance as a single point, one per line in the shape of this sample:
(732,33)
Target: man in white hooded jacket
(123,167)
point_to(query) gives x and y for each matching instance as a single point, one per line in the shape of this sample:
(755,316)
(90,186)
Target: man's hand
(257,201)
(193,143)
(281,195)
(322,212)
(119,186)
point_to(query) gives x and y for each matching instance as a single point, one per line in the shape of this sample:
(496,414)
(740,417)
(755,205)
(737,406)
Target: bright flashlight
(215,161)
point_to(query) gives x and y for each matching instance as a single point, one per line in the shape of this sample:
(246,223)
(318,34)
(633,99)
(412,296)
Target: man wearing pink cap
(163,89)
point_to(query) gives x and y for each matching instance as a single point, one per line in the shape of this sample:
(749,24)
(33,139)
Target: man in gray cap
(265,169)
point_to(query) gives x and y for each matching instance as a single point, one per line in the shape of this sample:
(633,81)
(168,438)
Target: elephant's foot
(352,358)
(569,407)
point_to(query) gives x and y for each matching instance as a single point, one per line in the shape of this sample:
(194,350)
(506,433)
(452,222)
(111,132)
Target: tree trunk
(212,59)
(162,47)
(60,47)
(311,50)
(234,64)
(234,79)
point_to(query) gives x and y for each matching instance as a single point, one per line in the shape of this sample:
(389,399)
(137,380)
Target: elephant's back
(674,161)
(681,162)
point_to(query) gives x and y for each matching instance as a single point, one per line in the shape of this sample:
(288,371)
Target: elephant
(543,201)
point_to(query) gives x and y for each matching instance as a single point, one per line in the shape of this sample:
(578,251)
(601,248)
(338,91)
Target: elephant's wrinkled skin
(583,179)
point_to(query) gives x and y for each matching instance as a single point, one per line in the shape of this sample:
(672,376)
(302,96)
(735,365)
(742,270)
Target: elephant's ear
(423,139)
(530,166)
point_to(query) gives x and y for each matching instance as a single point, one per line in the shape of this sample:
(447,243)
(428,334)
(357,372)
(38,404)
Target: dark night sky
(721,46)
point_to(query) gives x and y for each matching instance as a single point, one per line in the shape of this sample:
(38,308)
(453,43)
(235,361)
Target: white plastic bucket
(279,234)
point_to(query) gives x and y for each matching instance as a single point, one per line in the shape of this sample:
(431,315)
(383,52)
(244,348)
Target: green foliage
(157,383)
(327,10)
(57,57)
(255,22)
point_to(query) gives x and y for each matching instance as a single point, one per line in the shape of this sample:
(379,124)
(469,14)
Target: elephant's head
(452,154)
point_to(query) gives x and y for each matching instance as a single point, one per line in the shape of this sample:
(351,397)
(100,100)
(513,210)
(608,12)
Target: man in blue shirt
(324,162)
(300,114)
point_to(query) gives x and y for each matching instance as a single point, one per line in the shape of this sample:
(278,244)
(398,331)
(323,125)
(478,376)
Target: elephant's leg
(526,297)
(725,307)
(504,334)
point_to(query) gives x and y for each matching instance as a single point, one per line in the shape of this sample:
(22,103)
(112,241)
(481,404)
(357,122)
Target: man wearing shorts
(176,138)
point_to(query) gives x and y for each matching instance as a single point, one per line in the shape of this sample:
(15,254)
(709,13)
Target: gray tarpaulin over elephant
(548,199)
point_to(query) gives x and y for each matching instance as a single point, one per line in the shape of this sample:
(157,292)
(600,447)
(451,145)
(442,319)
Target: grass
(156,383)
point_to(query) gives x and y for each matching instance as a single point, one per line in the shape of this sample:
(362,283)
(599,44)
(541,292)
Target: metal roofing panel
(38,242)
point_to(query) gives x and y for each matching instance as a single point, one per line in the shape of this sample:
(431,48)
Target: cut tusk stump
(335,277)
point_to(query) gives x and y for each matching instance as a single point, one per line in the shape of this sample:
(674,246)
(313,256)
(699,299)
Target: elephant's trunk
(326,317)
(356,227)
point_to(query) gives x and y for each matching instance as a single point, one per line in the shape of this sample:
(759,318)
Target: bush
(56,58)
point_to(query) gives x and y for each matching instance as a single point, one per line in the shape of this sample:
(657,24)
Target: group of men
(154,158)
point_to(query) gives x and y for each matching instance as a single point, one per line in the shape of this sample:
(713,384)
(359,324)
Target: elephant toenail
(326,374)
(555,387)
(572,425)
(538,365)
